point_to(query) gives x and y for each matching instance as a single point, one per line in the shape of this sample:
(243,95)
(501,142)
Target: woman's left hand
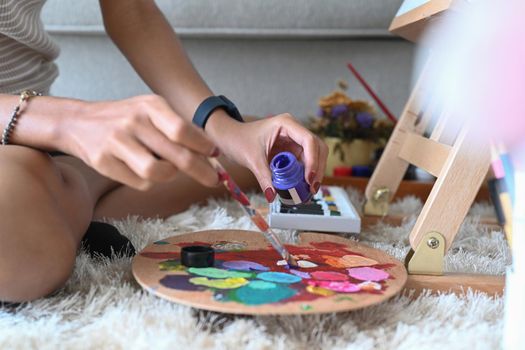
(253,145)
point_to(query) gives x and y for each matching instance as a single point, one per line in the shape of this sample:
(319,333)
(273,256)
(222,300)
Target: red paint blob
(329,276)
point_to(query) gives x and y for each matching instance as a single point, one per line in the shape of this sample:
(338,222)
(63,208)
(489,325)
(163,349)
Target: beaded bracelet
(8,130)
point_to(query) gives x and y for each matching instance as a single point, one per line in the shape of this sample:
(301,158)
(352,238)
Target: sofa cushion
(230,18)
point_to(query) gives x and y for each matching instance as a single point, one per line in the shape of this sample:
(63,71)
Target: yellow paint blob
(223,283)
(320,291)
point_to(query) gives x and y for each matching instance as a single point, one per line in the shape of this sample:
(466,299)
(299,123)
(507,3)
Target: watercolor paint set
(330,210)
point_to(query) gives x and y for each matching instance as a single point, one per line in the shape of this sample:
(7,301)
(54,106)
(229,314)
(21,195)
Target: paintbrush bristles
(291,261)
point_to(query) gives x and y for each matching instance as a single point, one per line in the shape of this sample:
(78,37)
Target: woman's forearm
(146,38)
(41,121)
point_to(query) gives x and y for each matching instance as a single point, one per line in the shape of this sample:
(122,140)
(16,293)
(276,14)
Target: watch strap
(210,104)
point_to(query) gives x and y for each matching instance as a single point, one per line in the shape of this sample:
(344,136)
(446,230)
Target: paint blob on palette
(256,277)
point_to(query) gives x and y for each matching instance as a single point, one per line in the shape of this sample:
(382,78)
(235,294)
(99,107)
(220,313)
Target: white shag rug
(102,307)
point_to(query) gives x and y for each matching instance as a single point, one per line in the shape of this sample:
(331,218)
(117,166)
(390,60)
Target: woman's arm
(40,124)
(136,141)
(145,37)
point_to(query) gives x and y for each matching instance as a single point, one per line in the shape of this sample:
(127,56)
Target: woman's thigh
(45,209)
(167,199)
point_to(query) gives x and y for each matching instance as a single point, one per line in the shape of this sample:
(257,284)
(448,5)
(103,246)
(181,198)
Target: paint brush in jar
(252,213)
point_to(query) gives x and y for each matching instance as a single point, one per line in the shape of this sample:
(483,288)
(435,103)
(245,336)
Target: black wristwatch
(210,104)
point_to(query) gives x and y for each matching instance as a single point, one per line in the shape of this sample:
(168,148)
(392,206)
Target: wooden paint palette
(249,278)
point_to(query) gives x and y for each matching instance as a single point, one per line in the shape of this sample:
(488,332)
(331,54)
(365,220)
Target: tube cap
(197,256)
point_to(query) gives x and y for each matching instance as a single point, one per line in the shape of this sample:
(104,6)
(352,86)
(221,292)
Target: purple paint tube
(288,179)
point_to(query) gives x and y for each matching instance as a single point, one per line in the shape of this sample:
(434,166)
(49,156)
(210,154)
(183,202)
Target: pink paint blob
(368,274)
(329,276)
(336,286)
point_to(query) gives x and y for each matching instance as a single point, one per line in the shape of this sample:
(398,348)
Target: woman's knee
(37,268)
(37,240)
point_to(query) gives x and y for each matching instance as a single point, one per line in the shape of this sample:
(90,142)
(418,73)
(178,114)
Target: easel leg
(458,183)
(391,169)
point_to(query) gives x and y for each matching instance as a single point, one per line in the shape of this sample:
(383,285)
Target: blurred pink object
(478,67)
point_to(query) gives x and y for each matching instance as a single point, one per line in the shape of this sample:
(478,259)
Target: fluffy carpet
(102,307)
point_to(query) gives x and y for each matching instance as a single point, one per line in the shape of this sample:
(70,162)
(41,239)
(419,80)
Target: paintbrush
(371,92)
(252,213)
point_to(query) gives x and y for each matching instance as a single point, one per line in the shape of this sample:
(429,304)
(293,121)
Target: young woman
(140,155)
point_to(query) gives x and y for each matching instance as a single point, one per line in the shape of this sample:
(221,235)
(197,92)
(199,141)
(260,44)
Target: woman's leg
(45,208)
(167,199)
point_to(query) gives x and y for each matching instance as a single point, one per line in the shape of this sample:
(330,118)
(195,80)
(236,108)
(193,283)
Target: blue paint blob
(244,265)
(301,274)
(262,285)
(261,292)
(161,242)
(278,277)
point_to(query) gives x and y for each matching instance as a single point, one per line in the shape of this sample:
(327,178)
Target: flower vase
(348,153)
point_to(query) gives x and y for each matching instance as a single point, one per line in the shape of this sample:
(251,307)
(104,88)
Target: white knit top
(26,50)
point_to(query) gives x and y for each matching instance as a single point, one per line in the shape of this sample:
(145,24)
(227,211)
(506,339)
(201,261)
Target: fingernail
(216,152)
(269,194)
(311,177)
(316,187)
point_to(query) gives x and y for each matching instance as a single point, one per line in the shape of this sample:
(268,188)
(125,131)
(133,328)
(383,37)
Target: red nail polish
(216,152)
(269,194)
(316,187)
(311,177)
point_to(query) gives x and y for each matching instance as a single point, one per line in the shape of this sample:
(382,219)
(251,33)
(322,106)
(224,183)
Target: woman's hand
(140,141)
(253,145)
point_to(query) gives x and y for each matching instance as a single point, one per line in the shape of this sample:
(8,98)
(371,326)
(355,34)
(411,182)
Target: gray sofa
(269,56)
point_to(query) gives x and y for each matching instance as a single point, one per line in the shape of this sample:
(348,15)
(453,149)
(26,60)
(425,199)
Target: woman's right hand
(140,141)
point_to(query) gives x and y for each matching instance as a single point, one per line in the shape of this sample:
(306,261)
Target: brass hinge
(428,258)
(378,204)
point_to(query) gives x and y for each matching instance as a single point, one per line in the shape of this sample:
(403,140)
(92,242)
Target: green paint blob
(161,242)
(260,293)
(306,307)
(171,265)
(227,283)
(278,277)
(213,272)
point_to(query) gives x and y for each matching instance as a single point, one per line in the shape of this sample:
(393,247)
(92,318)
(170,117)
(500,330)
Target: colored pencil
(502,199)
(508,168)
(518,255)
(251,212)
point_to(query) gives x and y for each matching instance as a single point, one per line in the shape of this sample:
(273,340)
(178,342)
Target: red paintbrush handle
(372,93)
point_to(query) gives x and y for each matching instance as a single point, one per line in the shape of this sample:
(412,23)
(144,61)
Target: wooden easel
(459,166)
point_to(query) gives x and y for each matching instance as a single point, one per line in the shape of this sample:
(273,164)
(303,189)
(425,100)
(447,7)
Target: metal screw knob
(433,242)
(381,194)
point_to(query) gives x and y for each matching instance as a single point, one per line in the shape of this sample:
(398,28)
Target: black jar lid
(197,256)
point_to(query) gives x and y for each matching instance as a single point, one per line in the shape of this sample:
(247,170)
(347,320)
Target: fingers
(141,161)
(179,130)
(191,163)
(313,153)
(263,175)
(117,170)
(321,166)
